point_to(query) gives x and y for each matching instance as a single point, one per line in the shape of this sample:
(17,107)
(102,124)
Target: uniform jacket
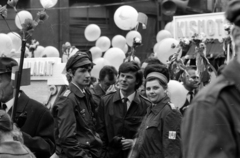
(74,125)
(114,122)
(159,134)
(14,149)
(210,127)
(38,129)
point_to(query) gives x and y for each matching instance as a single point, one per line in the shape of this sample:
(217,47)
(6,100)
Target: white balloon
(21,17)
(92,32)
(16,40)
(5,45)
(99,64)
(131,35)
(103,43)
(38,51)
(96,52)
(169,27)
(126,17)
(48,3)
(165,50)
(125,48)
(115,56)
(155,48)
(50,51)
(119,41)
(163,34)
(176,92)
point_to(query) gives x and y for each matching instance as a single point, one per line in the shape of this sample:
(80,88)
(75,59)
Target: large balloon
(21,17)
(5,45)
(103,43)
(163,34)
(119,41)
(169,27)
(177,94)
(50,51)
(165,49)
(92,32)
(38,51)
(126,17)
(131,35)
(99,64)
(16,40)
(96,52)
(155,48)
(115,56)
(48,3)
(125,48)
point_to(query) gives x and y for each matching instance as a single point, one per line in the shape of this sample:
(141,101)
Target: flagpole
(18,81)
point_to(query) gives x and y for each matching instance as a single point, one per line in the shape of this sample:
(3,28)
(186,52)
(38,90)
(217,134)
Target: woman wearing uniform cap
(159,133)
(9,147)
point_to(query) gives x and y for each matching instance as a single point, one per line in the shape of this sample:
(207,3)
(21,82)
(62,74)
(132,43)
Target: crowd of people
(127,113)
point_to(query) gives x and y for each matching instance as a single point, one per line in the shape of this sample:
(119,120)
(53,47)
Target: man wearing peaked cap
(38,127)
(74,113)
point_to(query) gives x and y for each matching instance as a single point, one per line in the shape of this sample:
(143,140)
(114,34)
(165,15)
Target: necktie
(125,107)
(191,96)
(4,107)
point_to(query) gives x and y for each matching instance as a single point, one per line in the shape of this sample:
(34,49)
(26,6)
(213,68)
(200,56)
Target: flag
(25,79)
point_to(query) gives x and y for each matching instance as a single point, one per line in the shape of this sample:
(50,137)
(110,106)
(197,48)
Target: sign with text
(212,25)
(41,68)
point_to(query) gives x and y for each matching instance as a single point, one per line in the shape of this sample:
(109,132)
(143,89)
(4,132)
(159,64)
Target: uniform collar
(158,107)
(117,97)
(76,90)
(231,71)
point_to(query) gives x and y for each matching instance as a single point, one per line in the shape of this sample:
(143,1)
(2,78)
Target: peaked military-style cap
(6,64)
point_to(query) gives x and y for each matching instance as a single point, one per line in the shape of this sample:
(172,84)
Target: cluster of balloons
(166,44)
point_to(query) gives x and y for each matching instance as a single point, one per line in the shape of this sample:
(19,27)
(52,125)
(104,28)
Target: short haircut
(156,68)
(68,75)
(132,66)
(107,70)
(151,61)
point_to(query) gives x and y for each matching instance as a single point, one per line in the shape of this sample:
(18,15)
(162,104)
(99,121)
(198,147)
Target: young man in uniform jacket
(38,125)
(121,112)
(74,113)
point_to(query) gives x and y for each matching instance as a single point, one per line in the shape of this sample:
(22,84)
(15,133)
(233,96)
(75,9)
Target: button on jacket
(74,125)
(114,122)
(210,127)
(161,132)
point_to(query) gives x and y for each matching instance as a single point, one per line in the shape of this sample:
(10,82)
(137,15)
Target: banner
(212,25)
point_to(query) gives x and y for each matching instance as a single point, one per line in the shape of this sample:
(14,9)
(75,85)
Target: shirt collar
(130,97)
(10,103)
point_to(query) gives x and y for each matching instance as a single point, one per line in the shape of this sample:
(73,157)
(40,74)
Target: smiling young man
(74,113)
(121,112)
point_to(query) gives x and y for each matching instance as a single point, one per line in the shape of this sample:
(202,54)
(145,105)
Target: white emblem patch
(172,135)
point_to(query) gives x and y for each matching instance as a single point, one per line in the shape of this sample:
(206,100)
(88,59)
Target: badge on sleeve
(172,135)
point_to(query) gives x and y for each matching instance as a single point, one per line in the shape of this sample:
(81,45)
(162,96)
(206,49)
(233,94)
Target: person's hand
(126,143)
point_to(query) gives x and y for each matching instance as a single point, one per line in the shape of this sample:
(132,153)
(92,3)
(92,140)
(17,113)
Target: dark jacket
(38,128)
(97,93)
(159,134)
(210,128)
(74,125)
(14,149)
(114,122)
